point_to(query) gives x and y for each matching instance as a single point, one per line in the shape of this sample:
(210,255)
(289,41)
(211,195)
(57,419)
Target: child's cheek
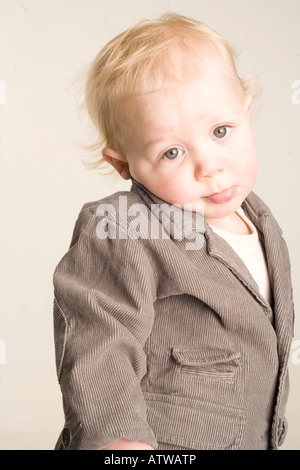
(253,168)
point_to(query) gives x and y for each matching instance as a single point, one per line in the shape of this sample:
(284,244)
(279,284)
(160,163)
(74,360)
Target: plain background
(44,46)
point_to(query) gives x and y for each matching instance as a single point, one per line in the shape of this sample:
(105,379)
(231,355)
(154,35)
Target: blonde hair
(138,61)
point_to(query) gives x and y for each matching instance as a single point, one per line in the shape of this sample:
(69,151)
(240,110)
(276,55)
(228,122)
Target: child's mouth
(224,196)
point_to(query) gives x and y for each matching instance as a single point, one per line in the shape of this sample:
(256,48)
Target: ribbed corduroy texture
(171,346)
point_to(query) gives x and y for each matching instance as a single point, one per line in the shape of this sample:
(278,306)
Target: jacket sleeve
(104,291)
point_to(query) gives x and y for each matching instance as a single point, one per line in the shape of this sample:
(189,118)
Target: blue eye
(221,131)
(173,153)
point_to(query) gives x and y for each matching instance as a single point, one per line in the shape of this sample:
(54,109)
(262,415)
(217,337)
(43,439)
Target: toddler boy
(160,346)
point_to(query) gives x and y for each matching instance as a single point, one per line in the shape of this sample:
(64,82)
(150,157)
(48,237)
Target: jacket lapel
(280,278)
(279,269)
(276,253)
(220,249)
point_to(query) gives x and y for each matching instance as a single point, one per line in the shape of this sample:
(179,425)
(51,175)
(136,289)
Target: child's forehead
(171,107)
(178,71)
(179,65)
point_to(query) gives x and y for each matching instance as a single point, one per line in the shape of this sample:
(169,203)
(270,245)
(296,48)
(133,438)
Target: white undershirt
(250,250)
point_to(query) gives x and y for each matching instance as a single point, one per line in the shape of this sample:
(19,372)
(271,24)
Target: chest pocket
(206,365)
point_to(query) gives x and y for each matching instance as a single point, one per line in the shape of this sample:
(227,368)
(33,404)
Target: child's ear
(116,159)
(248,102)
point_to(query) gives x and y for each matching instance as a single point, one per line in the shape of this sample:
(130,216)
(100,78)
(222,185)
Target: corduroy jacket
(166,341)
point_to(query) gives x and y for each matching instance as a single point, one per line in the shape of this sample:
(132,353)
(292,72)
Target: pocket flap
(193,357)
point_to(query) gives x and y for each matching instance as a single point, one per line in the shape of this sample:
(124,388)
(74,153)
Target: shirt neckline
(237,238)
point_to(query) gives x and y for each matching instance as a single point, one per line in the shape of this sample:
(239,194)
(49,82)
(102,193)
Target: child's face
(192,143)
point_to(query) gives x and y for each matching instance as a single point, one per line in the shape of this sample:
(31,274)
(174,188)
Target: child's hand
(122,444)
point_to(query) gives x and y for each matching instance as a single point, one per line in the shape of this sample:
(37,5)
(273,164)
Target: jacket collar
(276,255)
(257,211)
(176,221)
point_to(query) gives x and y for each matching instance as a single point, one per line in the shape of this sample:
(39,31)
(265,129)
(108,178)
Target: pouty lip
(220,192)
(223,196)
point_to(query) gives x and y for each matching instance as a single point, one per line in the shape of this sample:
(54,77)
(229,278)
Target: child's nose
(207,167)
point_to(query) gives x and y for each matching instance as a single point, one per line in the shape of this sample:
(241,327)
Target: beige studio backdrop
(44,45)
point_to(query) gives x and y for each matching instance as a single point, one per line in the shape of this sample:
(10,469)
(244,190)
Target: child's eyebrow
(223,116)
(152,142)
(218,119)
